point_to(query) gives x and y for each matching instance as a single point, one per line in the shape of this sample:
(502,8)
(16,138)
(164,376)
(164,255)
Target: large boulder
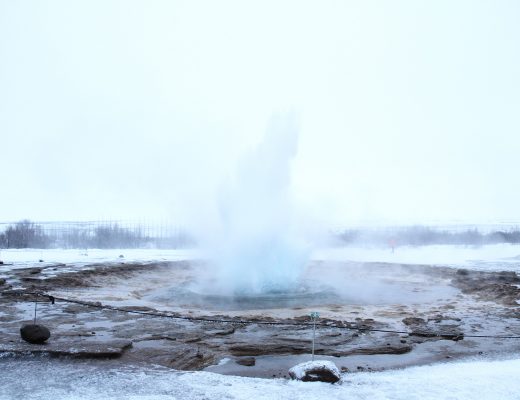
(35,334)
(316,371)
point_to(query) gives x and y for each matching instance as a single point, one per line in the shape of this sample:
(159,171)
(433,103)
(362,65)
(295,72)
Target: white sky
(410,110)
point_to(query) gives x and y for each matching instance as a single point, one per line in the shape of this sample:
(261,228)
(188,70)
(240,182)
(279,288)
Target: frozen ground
(490,257)
(58,379)
(496,257)
(483,378)
(21,258)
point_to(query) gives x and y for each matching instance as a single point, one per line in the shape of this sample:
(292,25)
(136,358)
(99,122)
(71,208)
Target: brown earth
(403,333)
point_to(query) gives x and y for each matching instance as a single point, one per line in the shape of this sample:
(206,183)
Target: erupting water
(254,249)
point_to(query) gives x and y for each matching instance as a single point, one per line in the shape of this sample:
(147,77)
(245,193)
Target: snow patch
(491,257)
(40,378)
(224,361)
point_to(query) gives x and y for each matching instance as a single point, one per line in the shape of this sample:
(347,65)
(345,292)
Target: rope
(453,336)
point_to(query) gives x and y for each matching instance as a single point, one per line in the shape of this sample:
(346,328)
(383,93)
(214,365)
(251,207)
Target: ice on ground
(40,378)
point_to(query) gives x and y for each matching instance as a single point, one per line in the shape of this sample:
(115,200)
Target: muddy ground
(109,311)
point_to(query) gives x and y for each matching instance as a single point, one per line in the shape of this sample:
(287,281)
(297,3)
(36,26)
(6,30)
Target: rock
(413,321)
(313,371)
(222,332)
(34,271)
(246,361)
(80,350)
(35,334)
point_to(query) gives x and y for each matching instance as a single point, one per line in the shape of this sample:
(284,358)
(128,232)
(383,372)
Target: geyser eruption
(256,250)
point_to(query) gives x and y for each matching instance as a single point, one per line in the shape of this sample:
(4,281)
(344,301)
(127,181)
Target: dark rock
(500,287)
(222,332)
(246,361)
(246,349)
(424,333)
(34,271)
(397,349)
(81,350)
(35,334)
(139,308)
(413,321)
(316,371)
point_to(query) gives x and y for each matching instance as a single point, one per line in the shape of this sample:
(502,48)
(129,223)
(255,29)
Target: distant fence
(430,235)
(93,234)
(166,234)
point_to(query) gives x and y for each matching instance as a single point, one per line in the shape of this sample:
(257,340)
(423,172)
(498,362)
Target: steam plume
(255,249)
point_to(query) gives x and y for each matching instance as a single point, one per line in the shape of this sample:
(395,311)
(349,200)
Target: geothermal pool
(336,278)
(191,286)
(188,286)
(397,309)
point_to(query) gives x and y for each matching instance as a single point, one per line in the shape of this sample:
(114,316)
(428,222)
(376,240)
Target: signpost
(314,316)
(35,306)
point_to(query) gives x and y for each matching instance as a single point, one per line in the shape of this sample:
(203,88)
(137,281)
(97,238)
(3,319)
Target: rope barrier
(362,329)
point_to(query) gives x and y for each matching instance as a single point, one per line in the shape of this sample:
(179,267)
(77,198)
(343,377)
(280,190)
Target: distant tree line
(422,235)
(27,234)
(24,234)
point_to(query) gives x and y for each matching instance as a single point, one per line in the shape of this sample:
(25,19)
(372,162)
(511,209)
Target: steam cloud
(255,249)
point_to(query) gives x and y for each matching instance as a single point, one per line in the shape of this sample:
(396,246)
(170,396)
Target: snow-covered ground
(60,379)
(490,257)
(20,258)
(42,378)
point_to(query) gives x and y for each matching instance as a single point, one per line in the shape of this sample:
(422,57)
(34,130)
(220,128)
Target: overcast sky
(409,110)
